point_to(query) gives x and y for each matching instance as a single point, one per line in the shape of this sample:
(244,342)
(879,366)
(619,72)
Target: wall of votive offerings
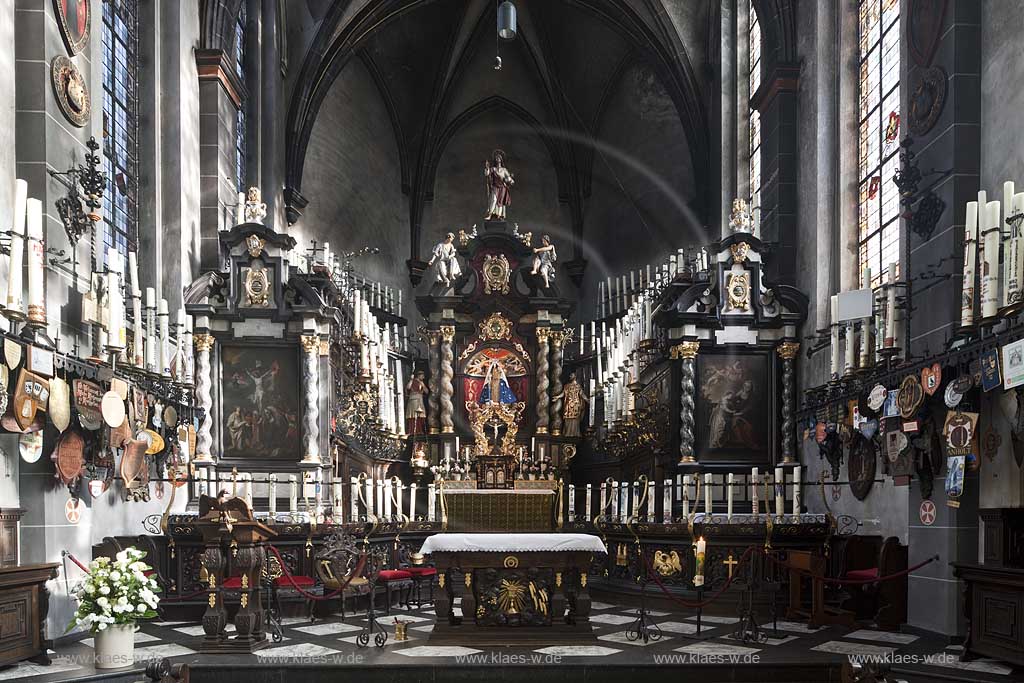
(726,495)
(158,346)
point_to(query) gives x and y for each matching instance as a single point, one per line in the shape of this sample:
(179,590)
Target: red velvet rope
(313,596)
(746,554)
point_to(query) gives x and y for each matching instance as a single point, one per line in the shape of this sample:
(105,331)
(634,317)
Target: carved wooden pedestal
(24,602)
(234,551)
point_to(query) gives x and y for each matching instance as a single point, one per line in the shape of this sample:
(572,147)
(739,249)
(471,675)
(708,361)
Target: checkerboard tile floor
(614,625)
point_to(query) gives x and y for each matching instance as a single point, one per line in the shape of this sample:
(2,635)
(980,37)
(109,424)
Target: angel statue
(544,258)
(498,181)
(444,255)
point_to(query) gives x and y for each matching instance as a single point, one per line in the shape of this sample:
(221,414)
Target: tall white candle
(834,329)
(272,494)
(368,486)
(293,494)
(398,496)
(780,492)
(615,500)
(890,308)
(990,272)
(412,496)
(13,300)
(686,495)
(571,508)
(730,480)
(970,254)
(1014,256)
(707,494)
(165,361)
(378,501)
(431,501)
(586,508)
(796,491)
(240,209)
(699,553)
(1007,238)
(385,487)
(650,500)
(353,499)
(623,501)
(36,295)
(755,479)
(666,502)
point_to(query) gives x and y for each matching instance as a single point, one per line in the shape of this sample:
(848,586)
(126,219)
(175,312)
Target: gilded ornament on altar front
(496,326)
(511,562)
(497,272)
(667,564)
(737,286)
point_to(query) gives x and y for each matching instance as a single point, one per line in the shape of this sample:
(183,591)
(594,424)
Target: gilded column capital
(203,342)
(310,343)
(542,334)
(687,349)
(428,335)
(788,350)
(448,333)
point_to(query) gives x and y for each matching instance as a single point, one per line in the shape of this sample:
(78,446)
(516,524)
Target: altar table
(518,588)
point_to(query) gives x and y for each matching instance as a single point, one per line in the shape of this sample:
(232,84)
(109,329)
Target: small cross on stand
(730,564)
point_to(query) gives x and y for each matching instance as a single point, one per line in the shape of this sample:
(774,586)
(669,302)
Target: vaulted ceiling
(431,62)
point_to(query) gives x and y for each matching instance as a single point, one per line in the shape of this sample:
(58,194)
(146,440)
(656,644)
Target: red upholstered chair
(884,603)
(399,580)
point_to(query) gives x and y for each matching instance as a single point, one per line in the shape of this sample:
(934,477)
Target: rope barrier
(746,555)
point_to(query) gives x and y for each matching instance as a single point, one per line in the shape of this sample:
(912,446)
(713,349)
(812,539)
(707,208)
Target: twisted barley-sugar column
(557,343)
(687,352)
(431,337)
(311,397)
(204,387)
(447,375)
(543,397)
(787,352)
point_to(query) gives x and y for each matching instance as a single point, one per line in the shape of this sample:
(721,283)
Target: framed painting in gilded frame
(735,408)
(260,406)
(74,18)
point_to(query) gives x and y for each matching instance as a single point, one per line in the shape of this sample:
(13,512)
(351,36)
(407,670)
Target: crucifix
(730,564)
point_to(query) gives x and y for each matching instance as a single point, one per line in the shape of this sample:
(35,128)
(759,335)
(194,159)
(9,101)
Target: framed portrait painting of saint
(735,408)
(74,18)
(260,402)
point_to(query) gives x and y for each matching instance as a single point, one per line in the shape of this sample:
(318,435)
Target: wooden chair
(341,563)
(423,573)
(884,603)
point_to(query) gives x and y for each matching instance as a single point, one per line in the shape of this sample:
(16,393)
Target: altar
(515,587)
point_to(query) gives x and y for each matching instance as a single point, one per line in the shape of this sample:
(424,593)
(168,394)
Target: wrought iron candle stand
(644,627)
(748,629)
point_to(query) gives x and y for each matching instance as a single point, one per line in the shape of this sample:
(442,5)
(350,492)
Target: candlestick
(666,502)
(780,493)
(796,491)
(755,479)
(990,273)
(293,494)
(431,501)
(165,361)
(587,502)
(890,309)
(686,495)
(412,493)
(650,500)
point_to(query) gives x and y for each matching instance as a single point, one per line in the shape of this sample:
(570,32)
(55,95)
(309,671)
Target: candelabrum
(93,181)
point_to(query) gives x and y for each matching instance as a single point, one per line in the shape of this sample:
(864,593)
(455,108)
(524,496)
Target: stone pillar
(204,385)
(543,383)
(726,109)
(687,353)
(558,340)
(271,112)
(826,73)
(787,352)
(434,361)
(311,399)
(447,376)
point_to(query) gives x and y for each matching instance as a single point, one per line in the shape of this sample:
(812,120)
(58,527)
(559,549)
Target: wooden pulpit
(234,552)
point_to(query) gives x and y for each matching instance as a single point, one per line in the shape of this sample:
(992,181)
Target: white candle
(1014,256)
(431,500)
(165,361)
(650,500)
(386,495)
(990,273)
(623,500)
(587,508)
(272,494)
(834,328)
(730,480)
(755,479)
(571,510)
(412,494)
(1007,238)
(604,498)
(865,328)
(635,509)
(615,500)
(970,253)
(116,335)
(707,494)
(796,491)
(780,492)
(851,350)
(353,499)
(699,553)
(890,308)
(336,499)
(378,502)
(686,495)
(240,209)
(13,301)
(666,502)
(247,480)
(36,295)
(368,485)
(293,494)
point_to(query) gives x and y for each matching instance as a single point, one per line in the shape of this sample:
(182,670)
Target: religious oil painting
(260,401)
(734,409)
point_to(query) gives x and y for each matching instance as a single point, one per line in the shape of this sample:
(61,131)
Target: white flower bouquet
(115,592)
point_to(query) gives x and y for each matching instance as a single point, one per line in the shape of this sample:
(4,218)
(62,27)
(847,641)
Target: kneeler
(819,614)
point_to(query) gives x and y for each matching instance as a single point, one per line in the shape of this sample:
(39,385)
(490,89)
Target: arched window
(121,125)
(878,137)
(240,122)
(754,82)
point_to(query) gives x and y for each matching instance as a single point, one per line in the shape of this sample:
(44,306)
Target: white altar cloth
(512,543)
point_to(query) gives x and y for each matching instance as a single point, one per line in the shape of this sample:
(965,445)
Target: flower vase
(115,646)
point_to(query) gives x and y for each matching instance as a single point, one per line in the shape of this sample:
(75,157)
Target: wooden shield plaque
(60,404)
(12,353)
(68,456)
(31,446)
(31,395)
(112,407)
(861,467)
(118,435)
(88,398)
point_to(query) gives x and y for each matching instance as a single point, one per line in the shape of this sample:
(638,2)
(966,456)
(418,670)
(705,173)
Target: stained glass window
(879,132)
(753,82)
(120,125)
(240,116)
